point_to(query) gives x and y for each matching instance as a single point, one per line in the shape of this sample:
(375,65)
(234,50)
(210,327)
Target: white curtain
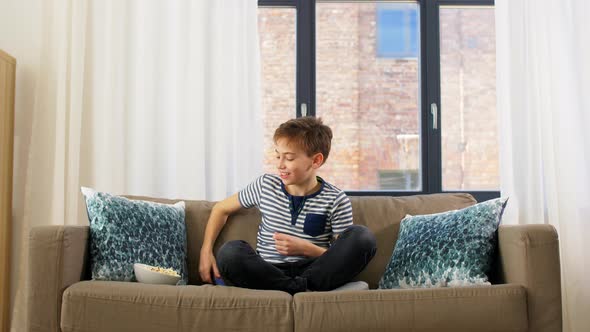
(155,98)
(543,52)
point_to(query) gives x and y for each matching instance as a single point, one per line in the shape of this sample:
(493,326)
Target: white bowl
(147,276)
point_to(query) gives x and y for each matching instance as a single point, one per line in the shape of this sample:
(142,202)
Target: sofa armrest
(57,259)
(529,256)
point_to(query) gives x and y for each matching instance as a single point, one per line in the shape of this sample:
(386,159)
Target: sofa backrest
(381,214)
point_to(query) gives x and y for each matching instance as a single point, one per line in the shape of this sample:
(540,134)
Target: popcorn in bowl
(155,275)
(169,272)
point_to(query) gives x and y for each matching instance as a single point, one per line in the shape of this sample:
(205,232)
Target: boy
(301,214)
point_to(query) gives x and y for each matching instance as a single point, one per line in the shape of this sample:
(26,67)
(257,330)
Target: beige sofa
(525,295)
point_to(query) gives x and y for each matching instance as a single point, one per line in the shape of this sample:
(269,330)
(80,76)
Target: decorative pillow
(445,249)
(124,232)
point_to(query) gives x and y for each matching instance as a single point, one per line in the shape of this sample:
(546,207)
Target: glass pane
(468,99)
(368,91)
(276,28)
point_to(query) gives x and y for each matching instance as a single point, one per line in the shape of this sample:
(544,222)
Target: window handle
(303,109)
(434,112)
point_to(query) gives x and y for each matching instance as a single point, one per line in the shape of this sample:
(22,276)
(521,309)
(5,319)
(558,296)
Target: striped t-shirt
(322,214)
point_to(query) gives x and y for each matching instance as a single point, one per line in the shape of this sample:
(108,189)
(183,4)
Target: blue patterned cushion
(124,232)
(445,249)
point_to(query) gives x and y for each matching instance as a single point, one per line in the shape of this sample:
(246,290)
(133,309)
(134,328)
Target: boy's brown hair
(309,133)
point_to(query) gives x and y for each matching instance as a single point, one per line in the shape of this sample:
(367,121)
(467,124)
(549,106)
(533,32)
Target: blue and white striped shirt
(324,213)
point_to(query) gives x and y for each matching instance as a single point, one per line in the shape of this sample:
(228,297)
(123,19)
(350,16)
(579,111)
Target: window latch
(434,112)
(303,109)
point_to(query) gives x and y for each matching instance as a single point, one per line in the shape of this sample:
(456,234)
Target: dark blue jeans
(241,266)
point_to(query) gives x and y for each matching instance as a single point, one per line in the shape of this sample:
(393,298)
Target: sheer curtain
(156,98)
(543,84)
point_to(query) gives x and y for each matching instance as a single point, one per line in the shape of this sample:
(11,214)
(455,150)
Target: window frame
(431,154)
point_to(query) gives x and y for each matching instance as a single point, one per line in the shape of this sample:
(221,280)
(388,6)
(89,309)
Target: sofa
(524,294)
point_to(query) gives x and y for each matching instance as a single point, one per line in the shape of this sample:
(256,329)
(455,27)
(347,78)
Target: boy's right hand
(207,263)
(219,213)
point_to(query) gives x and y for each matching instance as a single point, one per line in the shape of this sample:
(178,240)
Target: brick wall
(468,79)
(277,49)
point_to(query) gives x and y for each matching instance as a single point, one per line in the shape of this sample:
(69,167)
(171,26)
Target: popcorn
(170,272)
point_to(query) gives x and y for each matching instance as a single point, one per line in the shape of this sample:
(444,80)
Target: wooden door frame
(7,93)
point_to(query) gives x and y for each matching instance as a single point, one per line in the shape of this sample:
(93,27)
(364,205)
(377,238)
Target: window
(468,98)
(407,87)
(276,27)
(396,179)
(397,30)
(371,103)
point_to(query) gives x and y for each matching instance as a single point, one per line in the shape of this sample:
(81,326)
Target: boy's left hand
(293,246)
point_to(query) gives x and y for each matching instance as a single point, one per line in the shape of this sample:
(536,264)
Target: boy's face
(294,165)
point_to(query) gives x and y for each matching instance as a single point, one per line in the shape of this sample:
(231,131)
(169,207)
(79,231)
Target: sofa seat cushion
(125,306)
(486,308)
